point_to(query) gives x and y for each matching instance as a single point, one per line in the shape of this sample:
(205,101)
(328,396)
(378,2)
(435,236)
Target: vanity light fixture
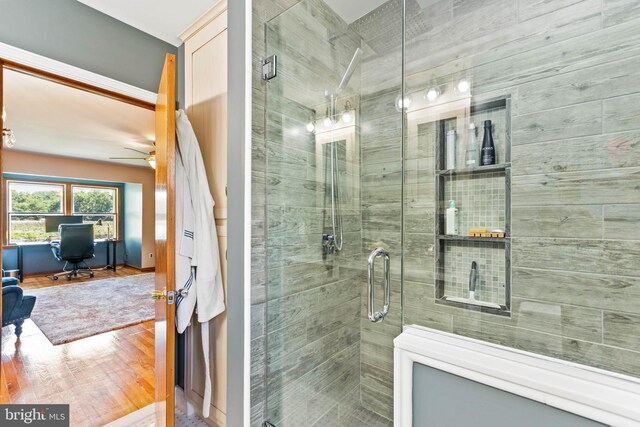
(463,85)
(310,126)
(347,114)
(403,103)
(432,94)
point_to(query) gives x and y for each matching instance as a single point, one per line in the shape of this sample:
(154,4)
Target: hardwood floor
(102,378)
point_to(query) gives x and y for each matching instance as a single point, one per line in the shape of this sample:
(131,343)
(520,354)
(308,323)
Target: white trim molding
(248,147)
(603,396)
(212,13)
(20,56)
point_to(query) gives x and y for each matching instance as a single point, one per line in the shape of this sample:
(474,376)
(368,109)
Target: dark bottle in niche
(488,149)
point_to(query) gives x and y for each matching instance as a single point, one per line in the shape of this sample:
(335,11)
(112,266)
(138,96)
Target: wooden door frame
(2,199)
(68,75)
(165,244)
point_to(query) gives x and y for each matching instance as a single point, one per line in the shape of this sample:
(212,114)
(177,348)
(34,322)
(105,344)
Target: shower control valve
(328,244)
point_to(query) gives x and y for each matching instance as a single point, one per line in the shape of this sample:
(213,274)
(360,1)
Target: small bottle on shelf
(488,148)
(451,223)
(450,147)
(471,156)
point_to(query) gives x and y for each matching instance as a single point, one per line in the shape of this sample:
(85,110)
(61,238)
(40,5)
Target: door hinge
(270,67)
(171,297)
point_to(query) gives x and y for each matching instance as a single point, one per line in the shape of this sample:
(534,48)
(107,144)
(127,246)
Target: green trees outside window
(31,202)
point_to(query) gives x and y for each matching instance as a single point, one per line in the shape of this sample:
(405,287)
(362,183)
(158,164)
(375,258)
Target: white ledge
(596,394)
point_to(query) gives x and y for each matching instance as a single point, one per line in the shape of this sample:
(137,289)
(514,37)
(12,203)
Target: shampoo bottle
(450,150)
(451,223)
(488,149)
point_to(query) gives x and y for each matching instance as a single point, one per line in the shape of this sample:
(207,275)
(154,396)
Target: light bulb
(347,116)
(433,94)
(463,85)
(403,103)
(311,127)
(327,122)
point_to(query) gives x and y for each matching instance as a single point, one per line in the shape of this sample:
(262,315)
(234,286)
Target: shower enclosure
(374,122)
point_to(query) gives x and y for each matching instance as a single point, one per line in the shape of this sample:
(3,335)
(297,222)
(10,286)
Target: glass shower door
(333,197)
(391,126)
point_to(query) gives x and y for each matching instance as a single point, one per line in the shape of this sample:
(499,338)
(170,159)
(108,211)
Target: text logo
(34,415)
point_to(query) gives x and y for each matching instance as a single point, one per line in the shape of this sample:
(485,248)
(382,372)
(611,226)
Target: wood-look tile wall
(262,11)
(571,69)
(305,305)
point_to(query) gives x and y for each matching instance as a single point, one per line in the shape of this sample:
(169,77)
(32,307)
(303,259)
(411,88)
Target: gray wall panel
(443,399)
(70,32)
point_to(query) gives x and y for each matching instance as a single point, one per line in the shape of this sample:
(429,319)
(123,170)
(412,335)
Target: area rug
(72,311)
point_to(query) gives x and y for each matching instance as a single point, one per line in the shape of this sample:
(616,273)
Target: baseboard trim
(142,414)
(143,269)
(49,273)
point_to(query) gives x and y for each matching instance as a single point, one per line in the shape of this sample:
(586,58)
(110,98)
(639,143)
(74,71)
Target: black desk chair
(75,246)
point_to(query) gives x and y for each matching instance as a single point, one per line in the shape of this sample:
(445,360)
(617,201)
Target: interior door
(1,186)
(165,244)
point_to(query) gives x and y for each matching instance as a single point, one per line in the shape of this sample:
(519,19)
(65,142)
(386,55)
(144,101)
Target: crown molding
(211,14)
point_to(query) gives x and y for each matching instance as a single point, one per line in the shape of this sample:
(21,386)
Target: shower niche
(473,266)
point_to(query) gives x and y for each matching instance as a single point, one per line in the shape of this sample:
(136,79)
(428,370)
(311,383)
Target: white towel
(197,253)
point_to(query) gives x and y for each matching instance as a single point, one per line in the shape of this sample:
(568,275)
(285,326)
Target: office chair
(75,246)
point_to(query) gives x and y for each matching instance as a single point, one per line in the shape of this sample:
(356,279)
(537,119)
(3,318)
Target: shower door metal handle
(379,315)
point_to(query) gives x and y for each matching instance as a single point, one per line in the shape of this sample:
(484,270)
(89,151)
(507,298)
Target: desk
(20,271)
(111,254)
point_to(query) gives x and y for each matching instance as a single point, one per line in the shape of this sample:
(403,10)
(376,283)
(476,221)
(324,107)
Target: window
(98,206)
(30,202)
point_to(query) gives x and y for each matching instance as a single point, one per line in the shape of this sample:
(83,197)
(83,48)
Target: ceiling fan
(150,157)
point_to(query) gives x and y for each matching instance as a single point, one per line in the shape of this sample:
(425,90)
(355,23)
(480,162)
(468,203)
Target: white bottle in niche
(472,147)
(451,222)
(450,150)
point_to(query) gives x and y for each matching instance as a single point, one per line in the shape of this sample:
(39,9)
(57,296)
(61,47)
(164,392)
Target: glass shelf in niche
(502,311)
(459,238)
(475,171)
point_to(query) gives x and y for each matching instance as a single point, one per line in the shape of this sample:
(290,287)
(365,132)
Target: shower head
(357,56)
